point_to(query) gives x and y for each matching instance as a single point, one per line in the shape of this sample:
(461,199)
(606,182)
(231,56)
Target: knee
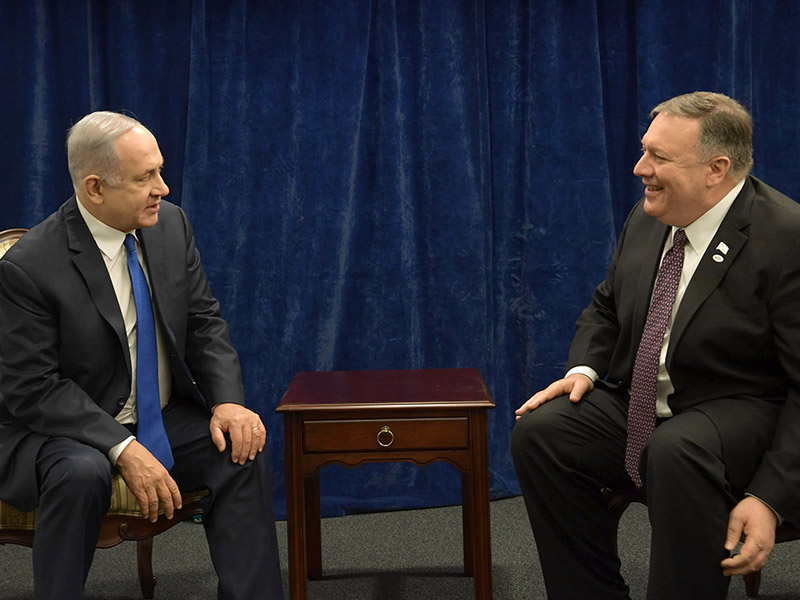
(81,476)
(531,432)
(670,446)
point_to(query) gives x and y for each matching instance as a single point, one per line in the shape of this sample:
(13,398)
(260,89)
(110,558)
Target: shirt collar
(108,239)
(703,229)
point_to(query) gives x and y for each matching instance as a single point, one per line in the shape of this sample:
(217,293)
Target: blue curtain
(396,184)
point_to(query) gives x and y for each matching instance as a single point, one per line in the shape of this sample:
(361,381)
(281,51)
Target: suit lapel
(710,272)
(153,248)
(89,262)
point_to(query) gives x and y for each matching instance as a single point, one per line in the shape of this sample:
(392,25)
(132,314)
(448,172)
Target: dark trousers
(565,453)
(75,491)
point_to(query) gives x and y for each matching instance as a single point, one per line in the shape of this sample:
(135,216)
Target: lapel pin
(722,247)
(718,258)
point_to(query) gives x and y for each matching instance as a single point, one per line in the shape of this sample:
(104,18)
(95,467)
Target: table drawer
(360,435)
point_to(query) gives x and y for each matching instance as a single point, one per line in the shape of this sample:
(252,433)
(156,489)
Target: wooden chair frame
(117,528)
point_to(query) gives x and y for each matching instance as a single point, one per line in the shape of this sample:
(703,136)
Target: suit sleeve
(597,329)
(209,353)
(777,480)
(35,392)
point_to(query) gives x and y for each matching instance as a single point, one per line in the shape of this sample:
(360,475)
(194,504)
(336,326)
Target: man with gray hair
(683,376)
(114,355)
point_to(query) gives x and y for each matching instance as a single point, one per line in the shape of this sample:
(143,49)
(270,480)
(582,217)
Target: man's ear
(718,170)
(93,188)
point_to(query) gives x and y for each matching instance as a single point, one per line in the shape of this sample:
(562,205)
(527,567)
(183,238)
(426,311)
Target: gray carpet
(384,556)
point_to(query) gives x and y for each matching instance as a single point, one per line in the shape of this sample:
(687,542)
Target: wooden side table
(355,417)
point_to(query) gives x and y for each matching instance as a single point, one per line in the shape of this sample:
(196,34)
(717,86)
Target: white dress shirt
(699,235)
(110,243)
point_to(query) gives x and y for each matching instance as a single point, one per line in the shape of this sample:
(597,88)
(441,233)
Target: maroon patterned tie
(642,406)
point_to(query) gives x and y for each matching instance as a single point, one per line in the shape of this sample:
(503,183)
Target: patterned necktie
(150,430)
(642,405)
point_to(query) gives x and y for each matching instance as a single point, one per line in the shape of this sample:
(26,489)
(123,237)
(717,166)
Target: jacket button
(121,401)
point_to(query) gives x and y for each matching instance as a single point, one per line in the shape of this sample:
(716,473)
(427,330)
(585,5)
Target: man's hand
(576,385)
(757,521)
(248,434)
(149,481)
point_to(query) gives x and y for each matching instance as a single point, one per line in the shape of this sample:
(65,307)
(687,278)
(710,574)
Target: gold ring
(255,428)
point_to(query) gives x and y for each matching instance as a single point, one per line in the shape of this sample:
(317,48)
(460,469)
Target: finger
(754,553)
(733,565)
(237,435)
(141,499)
(739,565)
(258,440)
(262,440)
(167,501)
(734,534)
(581,386)
(152,504)
(218,437)
(532,403)
(751,557)
(175,492)
(249,443)
(525,407)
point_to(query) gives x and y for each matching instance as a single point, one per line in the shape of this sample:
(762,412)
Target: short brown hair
(726,128)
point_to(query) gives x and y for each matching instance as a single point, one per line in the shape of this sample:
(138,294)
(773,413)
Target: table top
(397,389)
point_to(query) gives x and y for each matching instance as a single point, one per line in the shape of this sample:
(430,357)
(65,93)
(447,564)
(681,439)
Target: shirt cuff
(115,451)
(583,370)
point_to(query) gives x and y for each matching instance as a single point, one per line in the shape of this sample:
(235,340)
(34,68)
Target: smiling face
(134,202)
(678,186)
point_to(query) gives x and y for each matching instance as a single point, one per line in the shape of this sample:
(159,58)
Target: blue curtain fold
(392,184)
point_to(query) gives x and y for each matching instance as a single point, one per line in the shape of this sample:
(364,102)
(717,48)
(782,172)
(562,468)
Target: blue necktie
(150,430)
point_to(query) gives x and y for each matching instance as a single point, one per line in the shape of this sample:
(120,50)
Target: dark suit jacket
(734,349)
(64,358)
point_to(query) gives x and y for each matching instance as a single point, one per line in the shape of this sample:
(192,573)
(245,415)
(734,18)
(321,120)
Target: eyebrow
(654,149)
(155,169)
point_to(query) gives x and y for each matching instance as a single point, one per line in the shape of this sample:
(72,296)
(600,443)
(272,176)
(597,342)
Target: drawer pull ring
(385,434)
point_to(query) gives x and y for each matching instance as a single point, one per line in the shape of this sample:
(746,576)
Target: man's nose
(161,188)
(642,167)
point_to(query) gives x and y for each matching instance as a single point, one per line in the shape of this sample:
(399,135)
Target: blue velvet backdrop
(392,184)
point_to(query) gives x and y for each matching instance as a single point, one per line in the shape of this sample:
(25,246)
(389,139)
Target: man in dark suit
(69,374)
(723,459)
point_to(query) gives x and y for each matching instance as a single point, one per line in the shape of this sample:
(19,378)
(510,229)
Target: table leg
(295,512)
(479,490)
(313,527)
(466,518)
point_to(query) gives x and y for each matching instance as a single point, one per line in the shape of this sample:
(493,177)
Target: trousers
(75,491)
(566,453)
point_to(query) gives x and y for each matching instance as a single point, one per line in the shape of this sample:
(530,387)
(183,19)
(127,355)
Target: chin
(148,222)
(650,209)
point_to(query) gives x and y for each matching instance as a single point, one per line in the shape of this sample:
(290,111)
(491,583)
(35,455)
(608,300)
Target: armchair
(123,520)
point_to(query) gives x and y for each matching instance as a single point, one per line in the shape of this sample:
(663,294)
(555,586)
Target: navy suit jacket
(734,350)
(64,359)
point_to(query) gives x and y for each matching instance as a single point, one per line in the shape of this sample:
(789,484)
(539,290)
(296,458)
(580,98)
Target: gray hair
(726,128)
(91,148)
